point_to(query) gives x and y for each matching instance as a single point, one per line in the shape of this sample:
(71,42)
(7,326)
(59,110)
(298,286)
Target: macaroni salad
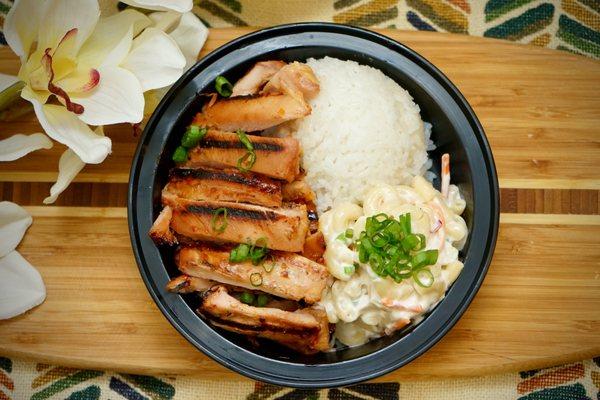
(361,302)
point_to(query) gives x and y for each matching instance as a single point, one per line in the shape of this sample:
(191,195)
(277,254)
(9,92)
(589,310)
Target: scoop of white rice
(364,128)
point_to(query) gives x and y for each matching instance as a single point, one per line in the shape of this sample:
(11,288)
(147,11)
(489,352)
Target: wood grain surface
(538,306)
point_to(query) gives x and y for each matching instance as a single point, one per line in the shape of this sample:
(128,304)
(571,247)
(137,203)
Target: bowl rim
(458,311)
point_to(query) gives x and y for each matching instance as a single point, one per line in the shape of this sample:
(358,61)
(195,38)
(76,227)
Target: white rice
(364,129)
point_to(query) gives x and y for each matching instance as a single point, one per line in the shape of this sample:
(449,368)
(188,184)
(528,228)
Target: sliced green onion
(256,279)
(410,242)
(262,300)
(261,242)
(223,86)
(391,249)
(423,277)
(268,266)
(394,230)
(250,252)
(257,256)
(405,223)
(180,155)
(192,136)
(259,251)
(246,162)
(349,269)
(379,240)
(219,214)
(422,243)
(247,298)
(244,139)
(349,233)
(423,258)
(239,253)
(341,237)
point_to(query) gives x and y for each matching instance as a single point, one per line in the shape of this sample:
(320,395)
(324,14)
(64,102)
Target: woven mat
(570,25)
(28,380)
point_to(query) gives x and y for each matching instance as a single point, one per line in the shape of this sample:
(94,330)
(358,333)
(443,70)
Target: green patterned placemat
(21,380)
(571,25)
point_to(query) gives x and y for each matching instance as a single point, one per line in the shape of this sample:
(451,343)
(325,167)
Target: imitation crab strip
(445,174)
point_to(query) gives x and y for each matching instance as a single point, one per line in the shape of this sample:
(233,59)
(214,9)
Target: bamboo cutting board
(539,304)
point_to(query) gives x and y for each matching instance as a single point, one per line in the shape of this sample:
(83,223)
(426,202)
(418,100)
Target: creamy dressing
(364,305)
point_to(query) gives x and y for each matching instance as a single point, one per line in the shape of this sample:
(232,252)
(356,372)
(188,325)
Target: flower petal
(64,127)
(80,80)
(155,59)
(190,35)
(117,98)
(21,26)
(21,286)
(14,221)
(61,16)
(35,95)
(111,40)
(19,145)
(7,81)
(69,166)
(166,21)
(163,5)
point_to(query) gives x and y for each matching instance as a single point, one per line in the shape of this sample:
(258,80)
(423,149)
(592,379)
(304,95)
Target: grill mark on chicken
(292,277)
(275,157)
(248,179)
(224,185)
(226,144)
(283,228)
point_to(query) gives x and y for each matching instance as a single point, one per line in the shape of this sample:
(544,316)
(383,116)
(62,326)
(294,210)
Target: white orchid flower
(19,145)
(187,30)
(96,69)
(180,6)
(189,33)
(21,286)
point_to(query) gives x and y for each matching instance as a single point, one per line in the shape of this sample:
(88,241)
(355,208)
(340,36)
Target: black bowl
(456,130)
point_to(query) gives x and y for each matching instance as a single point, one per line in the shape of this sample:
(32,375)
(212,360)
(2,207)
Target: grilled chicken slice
(275,157)
(283,228)
(298,192)
(314,247)
(304,331)
(184,284)
(295,79)
(188,284)
(255,79)
(161,231)
(224,185)
(251,113)
(292,276)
